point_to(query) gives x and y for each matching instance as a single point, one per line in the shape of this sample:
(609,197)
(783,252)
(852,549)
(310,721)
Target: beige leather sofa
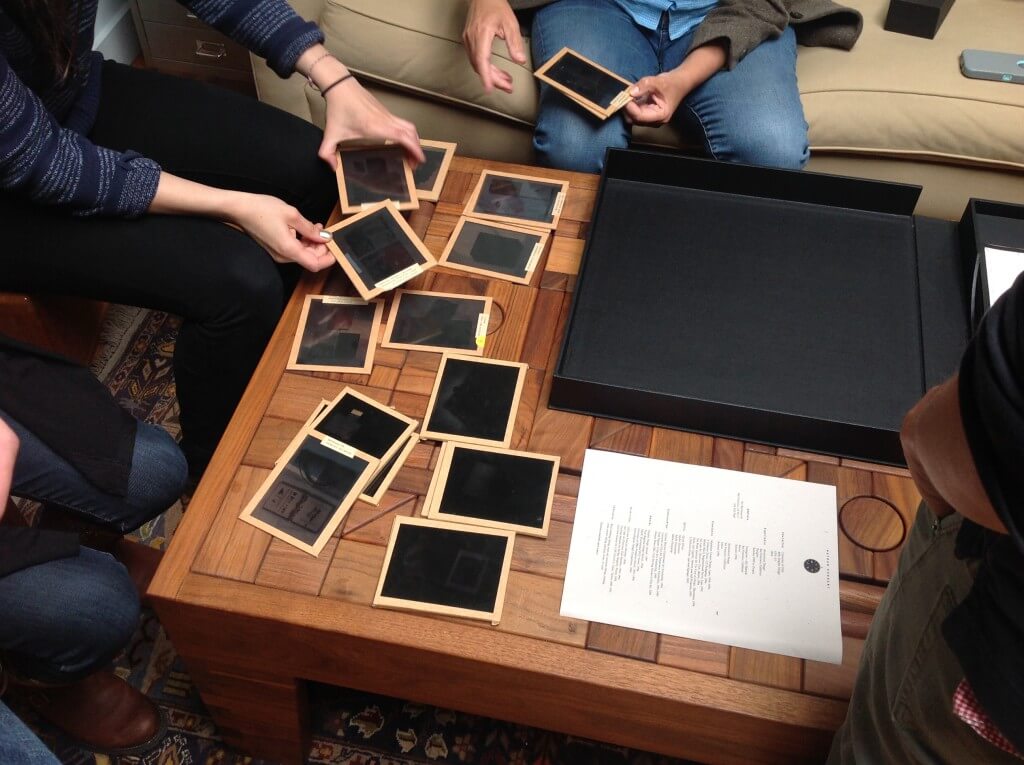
(895,108)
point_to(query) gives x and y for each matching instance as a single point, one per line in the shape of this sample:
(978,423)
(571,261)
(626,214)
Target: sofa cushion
(897,94)
(417,45)
(893,94)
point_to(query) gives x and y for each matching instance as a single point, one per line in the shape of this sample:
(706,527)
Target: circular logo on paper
(812,565)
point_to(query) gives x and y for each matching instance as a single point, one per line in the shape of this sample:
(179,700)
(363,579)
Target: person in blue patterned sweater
(116,184)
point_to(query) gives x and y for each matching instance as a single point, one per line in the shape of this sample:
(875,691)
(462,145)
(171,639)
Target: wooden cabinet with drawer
(174,40)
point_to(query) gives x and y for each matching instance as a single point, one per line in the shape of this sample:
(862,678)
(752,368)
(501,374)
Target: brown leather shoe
(141,561)
(102,713)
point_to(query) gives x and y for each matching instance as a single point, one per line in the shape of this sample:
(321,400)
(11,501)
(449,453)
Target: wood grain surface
(251,615)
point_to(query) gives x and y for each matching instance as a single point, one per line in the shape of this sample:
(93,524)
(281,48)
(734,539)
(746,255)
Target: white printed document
(1002,267)
(718,555)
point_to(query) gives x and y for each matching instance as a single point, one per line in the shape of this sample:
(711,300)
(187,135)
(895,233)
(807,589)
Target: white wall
(115,32)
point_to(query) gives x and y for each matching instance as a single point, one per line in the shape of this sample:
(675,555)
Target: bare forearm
(698,67)
(656,98)
(179,196)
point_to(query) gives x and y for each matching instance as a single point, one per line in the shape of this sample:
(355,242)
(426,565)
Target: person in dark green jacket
(722,71)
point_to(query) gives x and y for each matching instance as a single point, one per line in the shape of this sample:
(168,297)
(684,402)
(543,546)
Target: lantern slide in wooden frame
(429,177)
(444,568)
(310,490)
(496,250)
(378,250)
(385,475)
(438,321)
(432,486)
(336,334)
(366,425)
(495,488)
(598,90)
(369,175)
(474,400)
(520,200)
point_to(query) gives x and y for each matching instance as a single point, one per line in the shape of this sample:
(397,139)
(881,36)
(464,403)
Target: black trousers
(225,287)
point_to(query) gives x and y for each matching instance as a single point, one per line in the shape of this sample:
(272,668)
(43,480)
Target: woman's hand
(272,223)
(655,99)
(352,111)
(281,230)
(486,20)
(8,453)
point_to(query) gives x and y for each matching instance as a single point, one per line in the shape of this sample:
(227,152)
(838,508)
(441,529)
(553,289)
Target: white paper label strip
(620,99)
(400,278)
(335,445)
(531,264)
(338,300)
(481,329)
(559,202)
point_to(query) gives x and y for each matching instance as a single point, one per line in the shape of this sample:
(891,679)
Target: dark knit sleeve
(992,406)
(269,28)
(56,166)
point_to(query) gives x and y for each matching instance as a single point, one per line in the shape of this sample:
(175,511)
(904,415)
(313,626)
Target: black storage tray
(794,309)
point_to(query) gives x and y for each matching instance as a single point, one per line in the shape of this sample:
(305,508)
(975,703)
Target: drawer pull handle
(210,49)
(190,15)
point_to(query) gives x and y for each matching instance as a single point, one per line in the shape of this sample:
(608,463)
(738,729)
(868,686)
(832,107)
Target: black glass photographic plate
(364,424)
(377,247)
(336,334)
(585,79)
(305,498)
(474,400)
(370,175)
(494,250)
(429,175)
(446,569)
(529,201)
(436,321)
(495,487)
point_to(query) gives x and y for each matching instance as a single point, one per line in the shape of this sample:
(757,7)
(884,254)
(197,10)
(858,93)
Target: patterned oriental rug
(349,727)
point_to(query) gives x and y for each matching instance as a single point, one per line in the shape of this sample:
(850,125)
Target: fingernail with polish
(326,236)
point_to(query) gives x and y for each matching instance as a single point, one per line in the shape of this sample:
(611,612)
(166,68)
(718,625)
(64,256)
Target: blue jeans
(19,745)
(67,618)
(63,620)
(157,478)
(751,114)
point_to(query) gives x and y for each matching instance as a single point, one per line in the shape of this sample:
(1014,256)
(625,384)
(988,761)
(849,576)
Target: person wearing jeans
(68,610)
(19,745)
(723,71)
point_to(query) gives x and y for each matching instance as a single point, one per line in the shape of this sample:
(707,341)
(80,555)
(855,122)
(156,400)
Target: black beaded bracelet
(336,82)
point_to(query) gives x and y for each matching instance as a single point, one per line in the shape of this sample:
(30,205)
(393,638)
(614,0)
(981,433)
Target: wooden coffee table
(254,618)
